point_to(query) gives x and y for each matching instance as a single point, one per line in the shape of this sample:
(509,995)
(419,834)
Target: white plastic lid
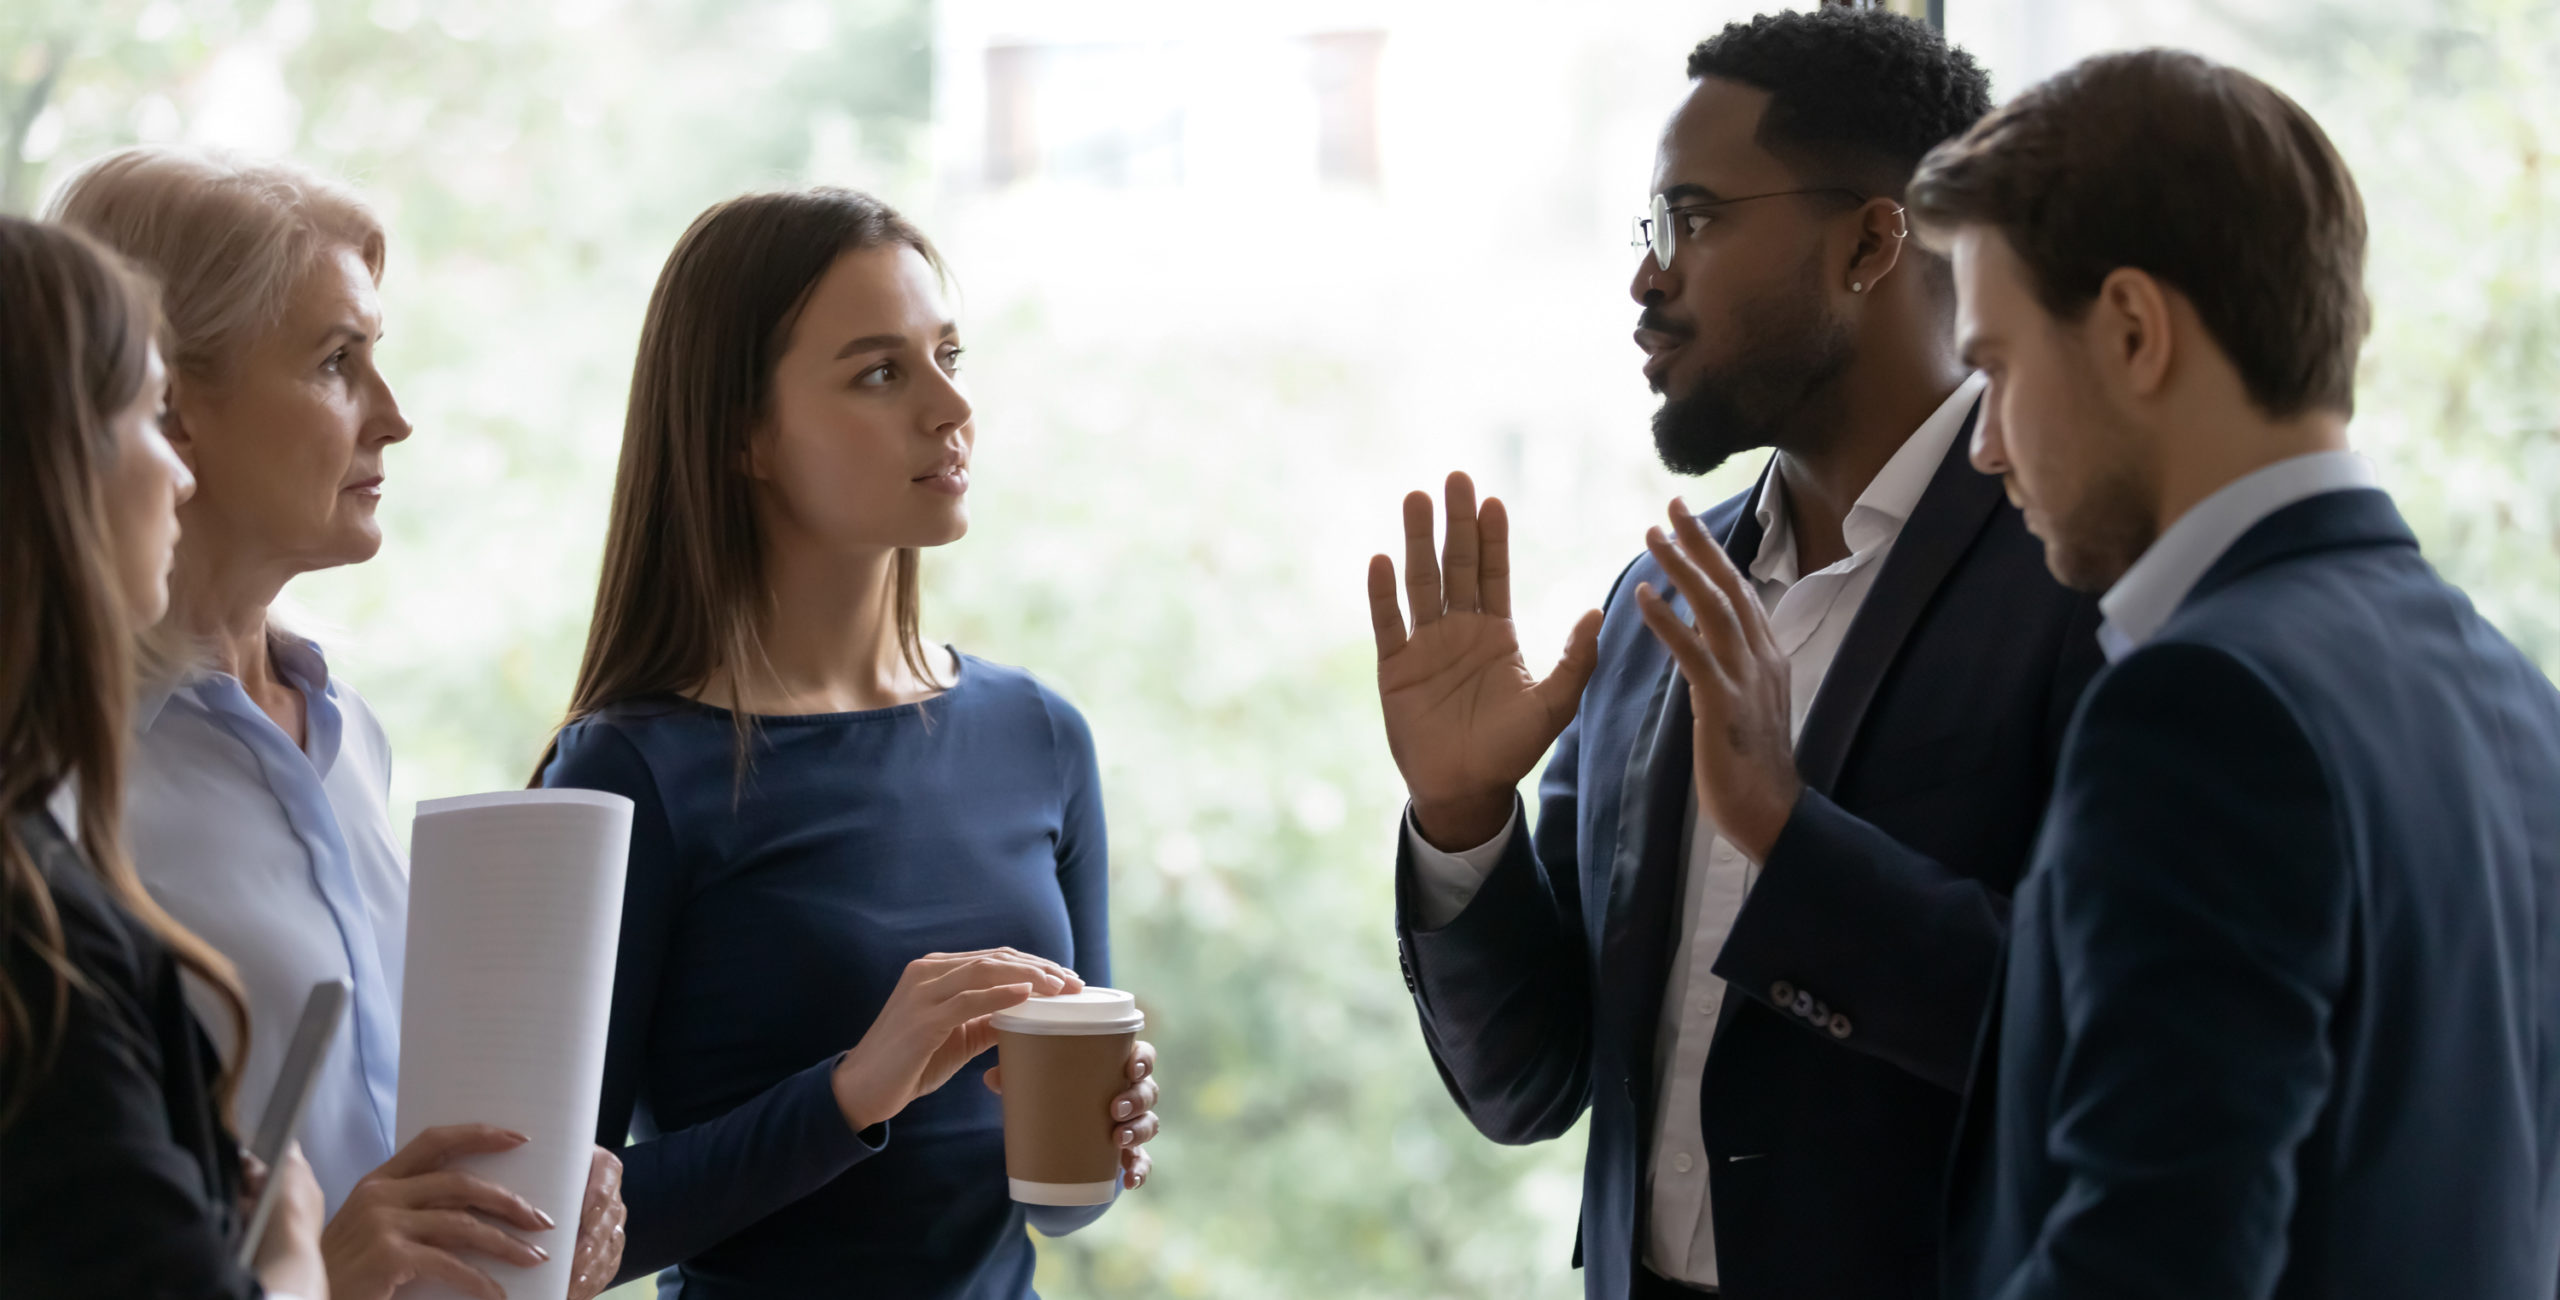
(1093,1011)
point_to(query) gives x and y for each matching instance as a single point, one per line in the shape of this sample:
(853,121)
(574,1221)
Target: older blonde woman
(257,811)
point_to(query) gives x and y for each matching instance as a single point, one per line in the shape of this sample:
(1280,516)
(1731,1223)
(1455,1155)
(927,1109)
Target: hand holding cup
(1071,1118)
(1133,1113)
(935,1021)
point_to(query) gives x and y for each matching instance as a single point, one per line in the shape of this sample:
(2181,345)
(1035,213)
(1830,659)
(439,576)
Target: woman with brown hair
(118,1173)
(848,846)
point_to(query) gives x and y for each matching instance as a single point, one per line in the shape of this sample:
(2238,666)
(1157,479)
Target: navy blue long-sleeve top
(764,925)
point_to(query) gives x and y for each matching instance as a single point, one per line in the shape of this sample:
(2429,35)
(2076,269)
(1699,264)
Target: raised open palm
(1465,718)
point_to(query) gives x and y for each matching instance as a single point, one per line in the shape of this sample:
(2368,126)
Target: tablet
(321,1013)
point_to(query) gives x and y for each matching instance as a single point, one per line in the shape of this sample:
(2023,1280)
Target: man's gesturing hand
(1745,751)
(1465,720)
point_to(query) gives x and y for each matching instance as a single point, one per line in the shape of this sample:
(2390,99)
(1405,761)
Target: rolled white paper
(515,904)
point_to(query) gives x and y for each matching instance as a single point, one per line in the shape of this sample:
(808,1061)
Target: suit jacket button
(1804,1003)
(1839,1025)
(1782,993)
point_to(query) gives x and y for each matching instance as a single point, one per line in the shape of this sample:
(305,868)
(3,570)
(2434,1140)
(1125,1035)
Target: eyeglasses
(1654,232)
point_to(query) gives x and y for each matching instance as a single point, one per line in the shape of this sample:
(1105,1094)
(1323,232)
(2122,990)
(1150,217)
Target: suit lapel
(1653,819)
(1958,502)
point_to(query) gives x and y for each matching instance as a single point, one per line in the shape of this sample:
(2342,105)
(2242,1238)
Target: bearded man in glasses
(1798,757)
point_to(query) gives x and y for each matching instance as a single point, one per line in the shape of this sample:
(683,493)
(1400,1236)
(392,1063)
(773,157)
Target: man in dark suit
(2281,1013)
(1754,926)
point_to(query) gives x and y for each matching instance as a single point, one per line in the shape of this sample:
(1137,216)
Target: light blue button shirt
(282,857)
(2141,601)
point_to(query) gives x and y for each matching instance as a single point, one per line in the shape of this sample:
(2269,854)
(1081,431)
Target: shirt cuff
(1446,882)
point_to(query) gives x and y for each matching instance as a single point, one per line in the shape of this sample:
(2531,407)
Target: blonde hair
(227,236)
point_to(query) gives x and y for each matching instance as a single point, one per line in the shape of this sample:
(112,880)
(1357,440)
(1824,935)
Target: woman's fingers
(604,1185)
(599,1255)
(1073,981)
(1137,1164)
(1138,1132)
(298,1200)
(994,1080)
(599,1222)
(975,1036)
(452,1189)
(460,1230)
(1142,1060)
(994,972)
(940,965)
(1136,1101)
(975,1004)
(425,1262)
(431,1149)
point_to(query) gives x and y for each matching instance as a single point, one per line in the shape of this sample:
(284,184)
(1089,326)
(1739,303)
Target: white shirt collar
(2143,599)
(1880,511)
(64,804)
(300,663)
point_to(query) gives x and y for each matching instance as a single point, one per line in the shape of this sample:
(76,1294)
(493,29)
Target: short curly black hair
(1855,95)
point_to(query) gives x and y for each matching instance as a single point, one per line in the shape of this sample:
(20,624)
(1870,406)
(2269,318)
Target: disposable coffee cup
(1064,1059)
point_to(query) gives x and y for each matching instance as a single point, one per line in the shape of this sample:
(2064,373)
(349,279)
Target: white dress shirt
(2143,599)
(1809,613)
(283,858)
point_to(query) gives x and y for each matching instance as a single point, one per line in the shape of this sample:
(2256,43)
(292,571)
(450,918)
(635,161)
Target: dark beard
(1759,398)
(2106,530)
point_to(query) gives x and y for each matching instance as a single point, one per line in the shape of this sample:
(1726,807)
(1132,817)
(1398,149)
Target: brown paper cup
(1064,1059)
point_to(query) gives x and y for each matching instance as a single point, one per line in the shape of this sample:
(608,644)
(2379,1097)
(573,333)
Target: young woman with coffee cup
(850,849)
(119,1175)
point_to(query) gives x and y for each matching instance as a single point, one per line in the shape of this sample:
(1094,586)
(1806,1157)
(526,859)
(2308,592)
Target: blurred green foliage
(1143,541)
(2449,114)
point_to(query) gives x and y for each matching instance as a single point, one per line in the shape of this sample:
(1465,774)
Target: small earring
(1857,286)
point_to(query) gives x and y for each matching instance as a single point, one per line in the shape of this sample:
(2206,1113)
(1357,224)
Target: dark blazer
(2282,1003)
(117,1178)
(1865,950)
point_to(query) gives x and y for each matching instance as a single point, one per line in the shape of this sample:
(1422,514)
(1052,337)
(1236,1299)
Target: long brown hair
(684,573)
(80,323)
